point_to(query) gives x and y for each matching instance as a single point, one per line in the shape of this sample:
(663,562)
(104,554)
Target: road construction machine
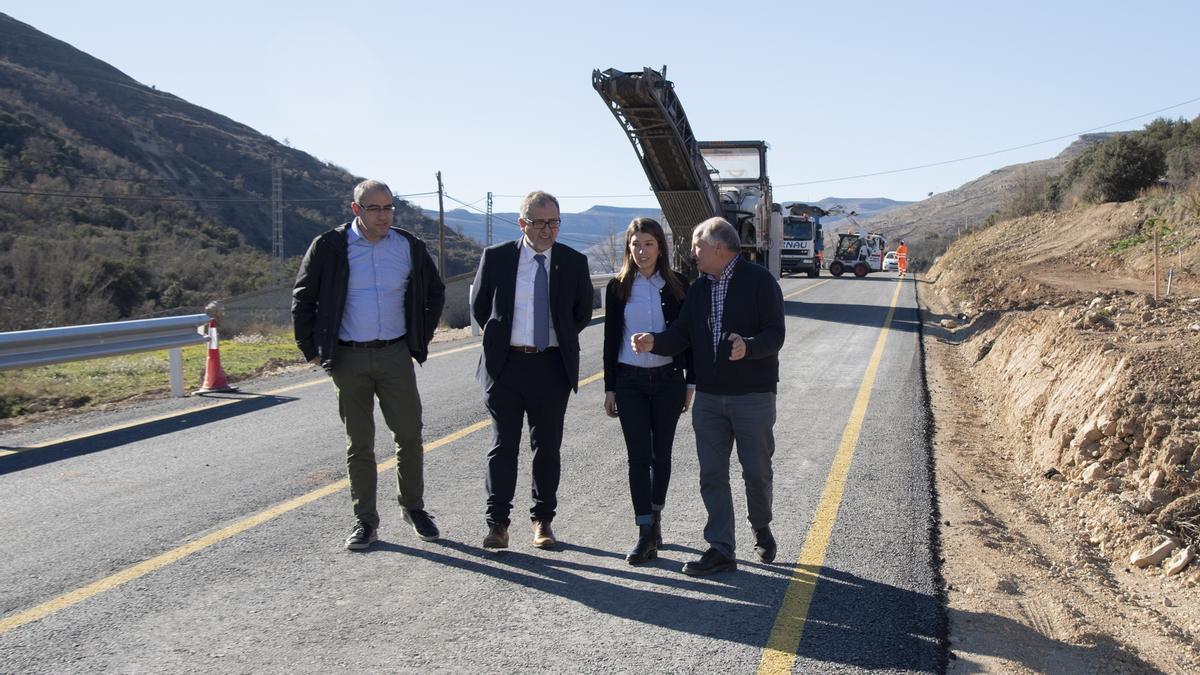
(694,180)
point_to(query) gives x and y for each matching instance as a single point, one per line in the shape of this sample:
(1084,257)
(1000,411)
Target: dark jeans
(361,375)
(721,421)
(533,385)
(649,402)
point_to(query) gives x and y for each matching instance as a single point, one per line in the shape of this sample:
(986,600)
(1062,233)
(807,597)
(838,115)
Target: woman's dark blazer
(614,329)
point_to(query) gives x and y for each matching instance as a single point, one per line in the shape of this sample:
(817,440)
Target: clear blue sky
(498,96)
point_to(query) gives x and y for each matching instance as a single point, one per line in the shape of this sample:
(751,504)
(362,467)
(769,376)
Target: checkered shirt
(720,287)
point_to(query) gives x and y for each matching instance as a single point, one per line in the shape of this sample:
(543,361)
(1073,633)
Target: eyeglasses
(551,223)
(375,208)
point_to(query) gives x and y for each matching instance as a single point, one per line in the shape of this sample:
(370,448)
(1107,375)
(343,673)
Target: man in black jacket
(366,302)
(732,319)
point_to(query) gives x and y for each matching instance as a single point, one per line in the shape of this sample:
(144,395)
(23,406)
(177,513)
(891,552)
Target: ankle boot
(657,529)
(645,550)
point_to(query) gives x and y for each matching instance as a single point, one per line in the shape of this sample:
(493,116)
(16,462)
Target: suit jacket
(494,296)
(754,310)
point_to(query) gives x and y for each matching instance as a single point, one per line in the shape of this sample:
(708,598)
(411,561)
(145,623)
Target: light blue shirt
(375,295)
(643,314)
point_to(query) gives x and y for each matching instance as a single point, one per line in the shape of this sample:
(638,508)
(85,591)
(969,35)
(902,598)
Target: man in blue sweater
(732,320)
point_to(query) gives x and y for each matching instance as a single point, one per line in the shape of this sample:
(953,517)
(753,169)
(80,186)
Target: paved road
(175,537)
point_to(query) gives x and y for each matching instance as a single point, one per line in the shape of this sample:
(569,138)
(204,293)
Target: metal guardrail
(44,346)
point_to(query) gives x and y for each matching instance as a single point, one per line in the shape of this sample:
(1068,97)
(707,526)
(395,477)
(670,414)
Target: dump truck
(803,239)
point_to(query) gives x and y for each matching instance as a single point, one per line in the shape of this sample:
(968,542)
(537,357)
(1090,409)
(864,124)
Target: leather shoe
(497,536)
(711,562)
(764,544)
(658,529)
(644,550)
(543,536)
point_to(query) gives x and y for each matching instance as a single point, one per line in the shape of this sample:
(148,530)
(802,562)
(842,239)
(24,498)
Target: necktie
(541,305)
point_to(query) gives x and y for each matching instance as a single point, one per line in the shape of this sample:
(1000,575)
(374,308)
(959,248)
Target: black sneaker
(764,544)
(361,537)
(422,524)
(711,562)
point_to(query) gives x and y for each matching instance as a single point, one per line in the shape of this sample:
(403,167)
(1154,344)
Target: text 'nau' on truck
(692,180)
(803,239)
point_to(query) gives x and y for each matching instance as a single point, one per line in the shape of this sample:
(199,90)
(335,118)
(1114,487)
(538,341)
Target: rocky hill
(152,202)
(945,216)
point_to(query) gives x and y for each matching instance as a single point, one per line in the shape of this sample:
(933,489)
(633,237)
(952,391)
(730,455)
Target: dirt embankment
(1070,430)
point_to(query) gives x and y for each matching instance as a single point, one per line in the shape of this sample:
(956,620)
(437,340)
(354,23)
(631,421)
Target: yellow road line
(163,559)
(193,411)
(780,653)
(806,288)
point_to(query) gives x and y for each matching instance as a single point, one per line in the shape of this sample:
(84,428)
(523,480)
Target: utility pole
(441,229)
(276,221)
(489,221)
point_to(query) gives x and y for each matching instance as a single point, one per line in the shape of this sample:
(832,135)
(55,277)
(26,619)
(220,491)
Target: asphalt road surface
(205,535)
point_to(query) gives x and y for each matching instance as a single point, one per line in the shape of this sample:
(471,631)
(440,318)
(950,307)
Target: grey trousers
(360,375)
(720,421)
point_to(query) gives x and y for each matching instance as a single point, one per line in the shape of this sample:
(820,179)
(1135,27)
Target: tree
(1123,166)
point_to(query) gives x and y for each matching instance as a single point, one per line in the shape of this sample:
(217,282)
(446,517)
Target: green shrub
(1124,166)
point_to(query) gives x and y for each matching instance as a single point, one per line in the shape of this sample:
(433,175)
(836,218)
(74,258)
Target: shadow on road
(851,620)
(27,458)
(904,319)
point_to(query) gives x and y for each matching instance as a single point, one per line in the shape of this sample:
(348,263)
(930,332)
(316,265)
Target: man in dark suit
(732,319)
(532,297)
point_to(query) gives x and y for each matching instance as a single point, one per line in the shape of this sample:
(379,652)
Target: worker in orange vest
(902,257)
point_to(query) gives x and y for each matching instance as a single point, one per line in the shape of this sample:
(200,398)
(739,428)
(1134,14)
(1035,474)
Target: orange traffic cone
(214,374)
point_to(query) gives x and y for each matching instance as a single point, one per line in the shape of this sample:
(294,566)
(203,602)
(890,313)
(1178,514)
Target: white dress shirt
(522,330)
(643,314)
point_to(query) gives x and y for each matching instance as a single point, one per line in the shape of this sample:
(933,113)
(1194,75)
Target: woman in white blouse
(647,392)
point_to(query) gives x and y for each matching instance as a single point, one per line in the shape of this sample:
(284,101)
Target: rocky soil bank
(1089,389)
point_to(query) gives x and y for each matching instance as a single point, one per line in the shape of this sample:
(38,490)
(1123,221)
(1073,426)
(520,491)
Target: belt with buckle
(526,349)
(370,344)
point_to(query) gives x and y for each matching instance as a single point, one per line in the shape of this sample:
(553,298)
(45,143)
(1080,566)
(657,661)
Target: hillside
(928,225)
(1066,400)
(151,202)
(580,230)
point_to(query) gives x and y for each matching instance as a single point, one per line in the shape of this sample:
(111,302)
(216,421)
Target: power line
(910,168)
(567,237)
(214,200)
(989,154)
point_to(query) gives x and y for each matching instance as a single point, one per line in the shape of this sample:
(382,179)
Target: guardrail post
(175,366)
(471,311)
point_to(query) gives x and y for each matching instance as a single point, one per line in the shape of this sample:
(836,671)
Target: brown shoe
(543,536)
(497,536)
